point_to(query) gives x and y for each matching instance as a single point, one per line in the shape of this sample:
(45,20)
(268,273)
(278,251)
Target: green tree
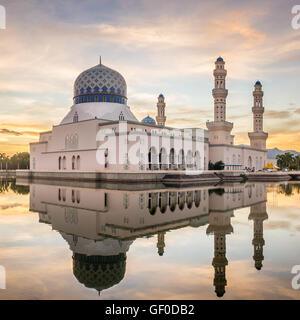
(219,165)
(285,161)
(19,160)
(4,159)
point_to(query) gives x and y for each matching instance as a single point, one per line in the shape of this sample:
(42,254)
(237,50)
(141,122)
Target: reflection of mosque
(100,225)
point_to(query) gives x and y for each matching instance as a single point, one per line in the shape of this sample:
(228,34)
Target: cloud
(10,132)
(274,114)
(171,50)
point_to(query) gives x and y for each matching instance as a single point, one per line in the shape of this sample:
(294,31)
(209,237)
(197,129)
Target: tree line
(288,161)
(19,160)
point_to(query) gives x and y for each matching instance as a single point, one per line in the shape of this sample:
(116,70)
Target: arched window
(73,163)
(172,158)
(64,163)
(78,163)
(106,158)
(73,196)
(59,163)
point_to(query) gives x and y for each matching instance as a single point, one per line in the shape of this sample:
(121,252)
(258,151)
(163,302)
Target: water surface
(236,241)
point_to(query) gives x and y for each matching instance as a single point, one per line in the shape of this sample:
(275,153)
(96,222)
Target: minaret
(161,118)
(161,243)
(220,129)
(258,214)
(258,137)
(219,226)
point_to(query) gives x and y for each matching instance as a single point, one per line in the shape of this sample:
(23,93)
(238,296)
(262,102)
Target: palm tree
(285,161)
(3,160)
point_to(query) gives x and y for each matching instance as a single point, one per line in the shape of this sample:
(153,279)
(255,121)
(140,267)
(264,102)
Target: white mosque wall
(235,155)
(78,146)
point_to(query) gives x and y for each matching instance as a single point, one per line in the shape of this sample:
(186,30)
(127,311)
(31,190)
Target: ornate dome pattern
(99,272)
(100,84)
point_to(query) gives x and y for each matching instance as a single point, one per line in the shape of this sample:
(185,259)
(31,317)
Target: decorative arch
(163,159)
(197,198)
(172,161)
(152,202)
(64,163)
(78,163)
(189,199)
(181,159)
(73,163)
(181,200)
(163,201)
(197,160)
(189,159)
(152,158)
(172,201)
(250,162)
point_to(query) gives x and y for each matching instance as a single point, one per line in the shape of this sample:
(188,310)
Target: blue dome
(220,59)
(149,120)
(100,84)
(161,96)
(258,83)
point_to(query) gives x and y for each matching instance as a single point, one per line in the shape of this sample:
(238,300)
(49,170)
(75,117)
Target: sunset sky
(164,47)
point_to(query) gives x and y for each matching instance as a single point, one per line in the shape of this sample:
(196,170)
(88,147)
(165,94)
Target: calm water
(236,241)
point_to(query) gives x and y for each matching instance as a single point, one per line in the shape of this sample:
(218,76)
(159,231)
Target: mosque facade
(100,117)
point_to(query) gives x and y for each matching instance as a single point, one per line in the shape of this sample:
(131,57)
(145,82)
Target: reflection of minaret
(161,243)
(220,226)
(258,214)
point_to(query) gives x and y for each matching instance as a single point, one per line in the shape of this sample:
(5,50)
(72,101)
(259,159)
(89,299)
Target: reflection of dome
(149,120)
(99,272)
(100,84)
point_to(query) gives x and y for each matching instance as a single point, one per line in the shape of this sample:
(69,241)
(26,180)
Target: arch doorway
(250,162)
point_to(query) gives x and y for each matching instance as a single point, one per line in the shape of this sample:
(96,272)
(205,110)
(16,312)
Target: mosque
(100,103)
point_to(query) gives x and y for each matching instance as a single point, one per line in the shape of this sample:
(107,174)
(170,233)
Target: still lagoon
(237,241)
